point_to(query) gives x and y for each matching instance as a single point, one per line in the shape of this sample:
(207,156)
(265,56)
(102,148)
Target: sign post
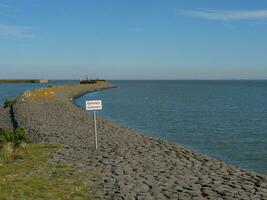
(94,106)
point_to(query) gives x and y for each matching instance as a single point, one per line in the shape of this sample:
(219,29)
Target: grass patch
(9,102)
(34,177)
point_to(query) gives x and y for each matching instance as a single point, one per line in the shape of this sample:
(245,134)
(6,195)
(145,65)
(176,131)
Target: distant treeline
(22,81)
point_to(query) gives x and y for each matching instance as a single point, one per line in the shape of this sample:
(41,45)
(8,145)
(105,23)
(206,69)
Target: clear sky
(133,39)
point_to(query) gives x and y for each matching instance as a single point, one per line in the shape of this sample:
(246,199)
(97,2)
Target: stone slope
(129,165)
(5,119)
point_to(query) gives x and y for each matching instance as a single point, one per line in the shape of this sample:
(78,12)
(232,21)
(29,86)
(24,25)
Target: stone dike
(128,165)
(5,119)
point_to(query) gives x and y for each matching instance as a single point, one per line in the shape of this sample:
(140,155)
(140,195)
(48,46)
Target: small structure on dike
(85,80)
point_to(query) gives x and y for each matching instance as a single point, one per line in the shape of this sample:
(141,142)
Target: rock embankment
(129,165)
(5,119)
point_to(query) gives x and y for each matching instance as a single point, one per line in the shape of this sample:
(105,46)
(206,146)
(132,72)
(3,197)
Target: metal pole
(95,130)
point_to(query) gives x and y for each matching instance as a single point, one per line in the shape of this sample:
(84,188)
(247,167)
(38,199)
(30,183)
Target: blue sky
(133,39)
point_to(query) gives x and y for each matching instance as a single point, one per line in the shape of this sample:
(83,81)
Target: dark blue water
(224,119)
(11,90)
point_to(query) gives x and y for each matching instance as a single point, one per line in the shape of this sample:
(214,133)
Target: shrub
(8,102)
(5,136)
(19,137)
(12,145)
(16,138)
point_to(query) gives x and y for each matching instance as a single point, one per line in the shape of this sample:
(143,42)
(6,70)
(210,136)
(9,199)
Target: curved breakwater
(128,164)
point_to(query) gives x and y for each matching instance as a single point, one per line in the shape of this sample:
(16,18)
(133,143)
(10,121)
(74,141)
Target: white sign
(94,105)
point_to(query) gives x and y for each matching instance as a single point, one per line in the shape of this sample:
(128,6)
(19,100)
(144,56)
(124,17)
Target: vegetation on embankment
(12,145)
(9,102)
(34,177)
(26,172)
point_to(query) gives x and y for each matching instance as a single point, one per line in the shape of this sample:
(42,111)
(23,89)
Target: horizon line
(223,79)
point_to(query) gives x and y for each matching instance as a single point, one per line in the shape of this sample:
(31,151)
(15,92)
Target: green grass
(34,177)
(9,102)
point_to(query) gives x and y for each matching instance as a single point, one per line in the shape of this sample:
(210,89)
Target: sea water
(223,119)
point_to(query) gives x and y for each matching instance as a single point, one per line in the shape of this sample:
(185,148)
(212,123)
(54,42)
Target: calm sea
(223,119)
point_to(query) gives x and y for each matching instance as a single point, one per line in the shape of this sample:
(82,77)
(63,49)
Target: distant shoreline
(23,81)
(53,80)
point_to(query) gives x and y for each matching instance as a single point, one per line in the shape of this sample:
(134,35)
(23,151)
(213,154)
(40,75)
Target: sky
(133,39)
